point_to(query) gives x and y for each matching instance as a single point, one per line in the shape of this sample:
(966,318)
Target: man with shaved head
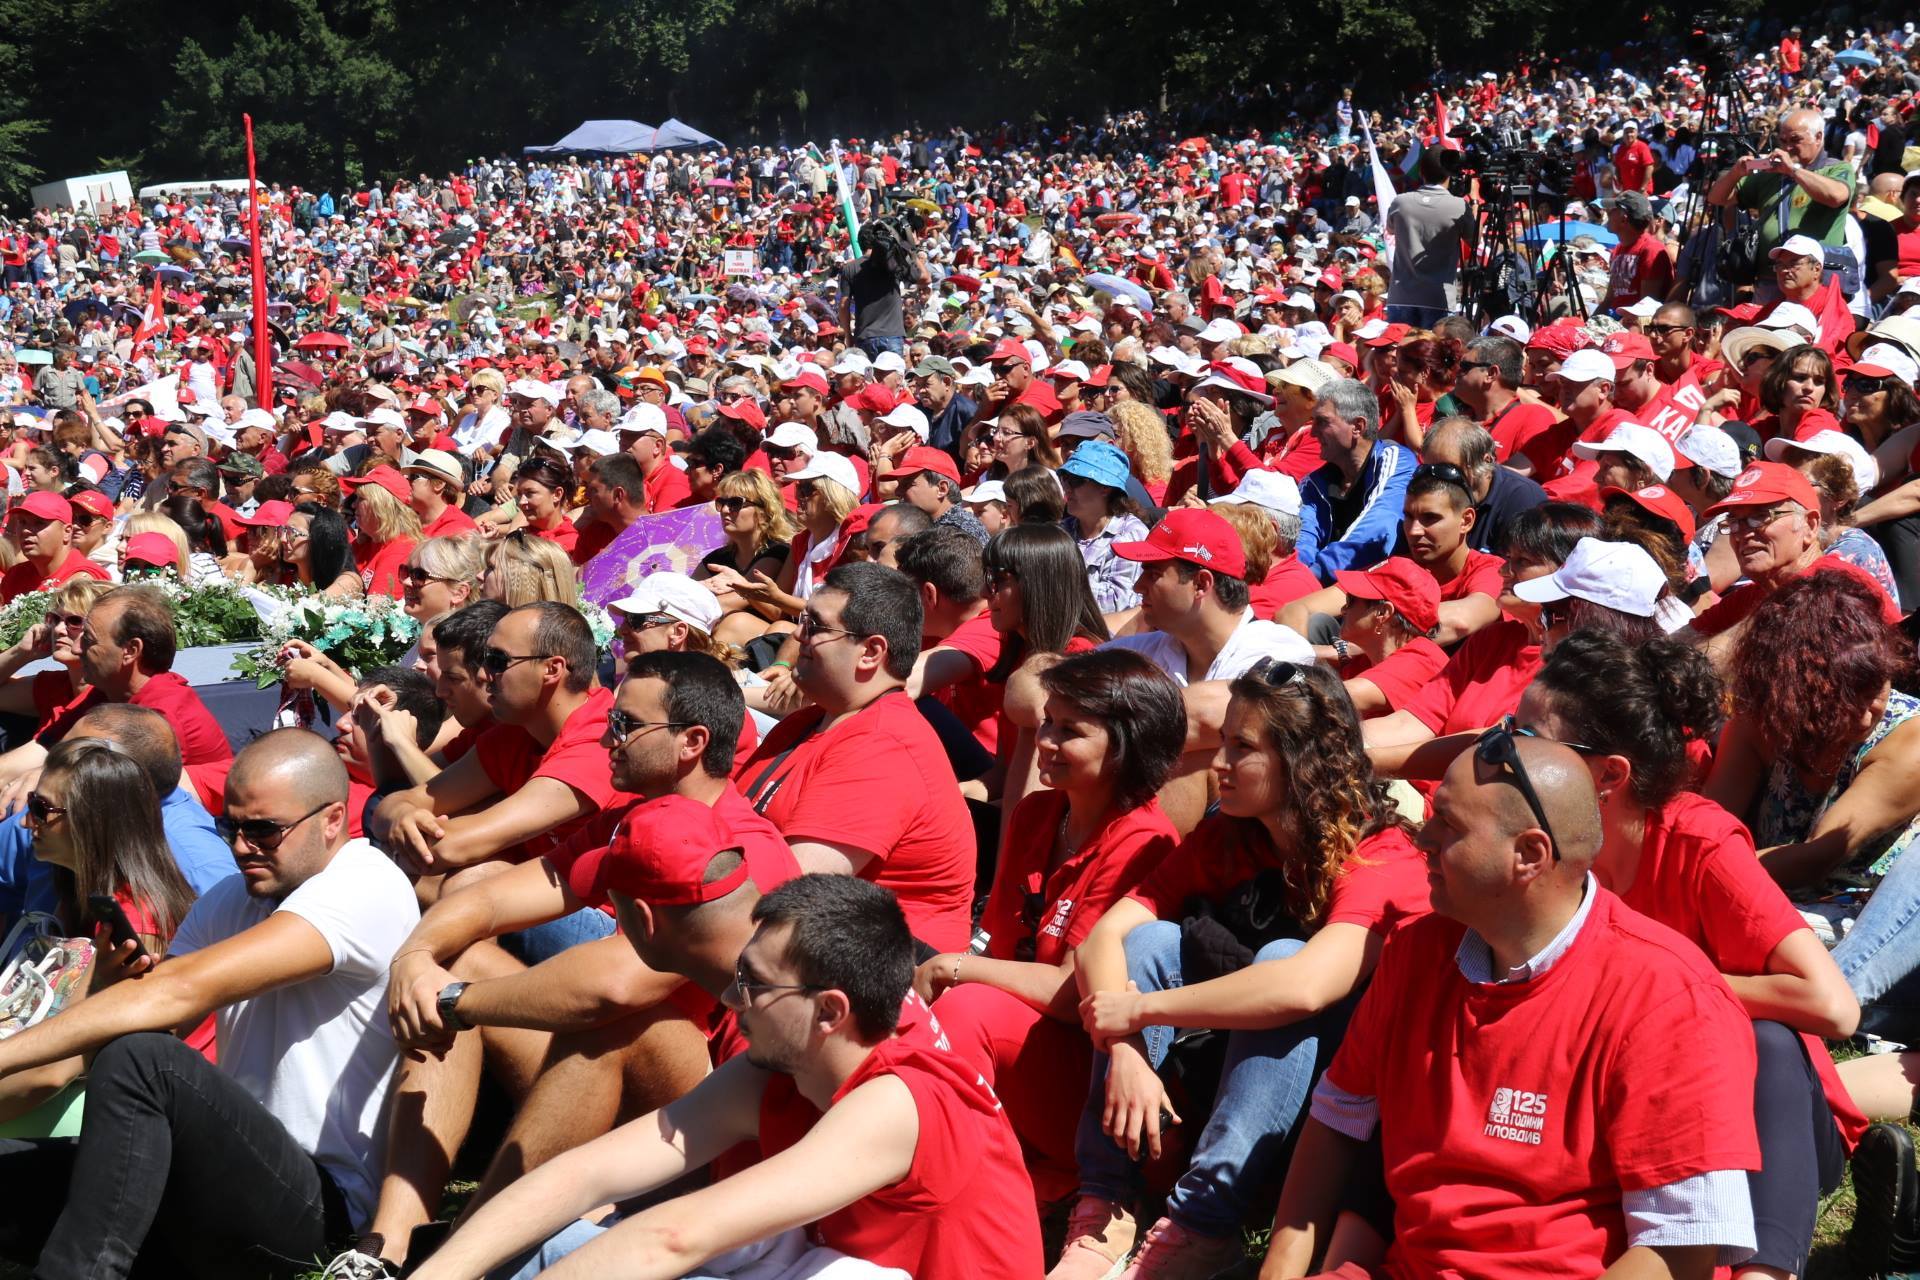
(256,1166)
(1530,1056)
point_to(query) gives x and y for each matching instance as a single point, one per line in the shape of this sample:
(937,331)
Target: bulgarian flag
(846,202)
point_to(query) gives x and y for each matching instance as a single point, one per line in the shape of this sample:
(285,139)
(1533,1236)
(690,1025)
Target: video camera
(1501,160)
(1715,44)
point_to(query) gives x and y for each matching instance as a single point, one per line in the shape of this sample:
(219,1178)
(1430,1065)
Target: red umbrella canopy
(323,342)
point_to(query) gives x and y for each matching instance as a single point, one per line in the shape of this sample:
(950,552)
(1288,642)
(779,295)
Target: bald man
(255,1166)
(1532,1058)
(1818,189)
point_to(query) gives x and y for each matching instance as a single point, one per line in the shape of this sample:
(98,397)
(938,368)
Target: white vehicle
(204,187)
(94,192)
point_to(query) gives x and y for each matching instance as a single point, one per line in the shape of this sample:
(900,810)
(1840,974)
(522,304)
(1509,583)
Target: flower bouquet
(213,614)
(358,634)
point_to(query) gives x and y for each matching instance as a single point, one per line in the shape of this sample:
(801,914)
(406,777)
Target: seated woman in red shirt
(1799,393)
(57,637)
(95,817)
(1425,371)
(386,530)
(1287,894)
(1110,739)
(542,488)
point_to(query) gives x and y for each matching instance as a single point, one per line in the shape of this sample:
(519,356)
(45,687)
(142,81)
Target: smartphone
(109,912)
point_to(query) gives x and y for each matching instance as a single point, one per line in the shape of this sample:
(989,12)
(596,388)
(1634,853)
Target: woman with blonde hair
(441,575)
(1141,433)
(386,531)
(759,538)
(824,489)
(522,567)
(56,637)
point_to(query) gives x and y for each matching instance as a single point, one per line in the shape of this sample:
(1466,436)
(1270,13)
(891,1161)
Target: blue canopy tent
(674,134)
(602,138)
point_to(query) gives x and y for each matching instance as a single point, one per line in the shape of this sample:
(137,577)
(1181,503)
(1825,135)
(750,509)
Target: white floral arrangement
(359,634)
(213,614)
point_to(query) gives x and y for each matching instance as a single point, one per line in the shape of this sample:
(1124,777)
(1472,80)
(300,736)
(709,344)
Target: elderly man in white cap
(642,433)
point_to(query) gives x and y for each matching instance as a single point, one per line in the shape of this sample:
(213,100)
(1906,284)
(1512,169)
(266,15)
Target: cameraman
(871,310)
(1802,191)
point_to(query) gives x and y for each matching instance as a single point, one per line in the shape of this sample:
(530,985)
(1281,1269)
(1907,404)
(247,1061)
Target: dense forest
(349,89)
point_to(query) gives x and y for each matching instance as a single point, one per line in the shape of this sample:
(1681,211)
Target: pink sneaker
(1171,1252)
(1100,1235)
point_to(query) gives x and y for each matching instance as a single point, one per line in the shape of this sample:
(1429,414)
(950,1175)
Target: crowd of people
(1189,724)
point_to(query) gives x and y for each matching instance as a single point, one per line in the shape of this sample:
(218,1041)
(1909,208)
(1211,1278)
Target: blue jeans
(1264,1088)
(1418,317)
(874,346)
(1880,955)
(545,941)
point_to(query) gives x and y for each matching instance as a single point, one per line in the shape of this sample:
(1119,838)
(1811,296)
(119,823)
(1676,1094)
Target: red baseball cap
(1410,589)
(1197,537)
(386,477)
(811,379)
(1011,350)
(269,515)
(1561,339)
(425,404)
(1342,351)
(1625,348)
(1656,499)
(1388,336)
(1764,483)
(48,506)
(94,503)
(1745,313)
(927,458)
(745,411)
(153,548)
(698,347)
(659,855)
(875,397)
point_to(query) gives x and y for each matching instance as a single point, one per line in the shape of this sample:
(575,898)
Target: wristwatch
(449,998)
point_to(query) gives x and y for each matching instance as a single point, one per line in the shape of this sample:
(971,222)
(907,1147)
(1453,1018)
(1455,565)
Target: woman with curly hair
(1822,759)
(1287,893)
(1141,434)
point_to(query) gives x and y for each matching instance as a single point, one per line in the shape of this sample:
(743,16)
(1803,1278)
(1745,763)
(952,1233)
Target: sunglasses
(811,626)
(1662,330)
(417,576)
(1496,747)
(803,490)
(41,809)
(1468,366)
(621,726)
(71,621)
(1861,385)
(748,988)
(263,834)
(1440,471)
(496,662)
(641,621)
(1277,673)
(731,504)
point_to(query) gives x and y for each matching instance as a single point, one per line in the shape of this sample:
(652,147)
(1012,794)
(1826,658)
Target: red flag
(154,321)
(262,342)
(1443,124)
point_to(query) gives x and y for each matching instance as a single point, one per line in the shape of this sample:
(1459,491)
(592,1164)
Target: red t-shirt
(1287,581)
(563,535)
(879,782)
(1699,876)
(202,1039)
(512,758)
(462,742)
(1514,1116)
(51,691)
(451,522)
(1740,602)
(200,735)
(381,570)
(1479,576)
(667,488)
(1481,682)
(770,862)
(965,1209)
(1678,405)
(595,534)
(1402,673)
(1633,165)
(1575,481)
(1068,902)
(1518,429)
(974,700)
(1382,882)
(24,578)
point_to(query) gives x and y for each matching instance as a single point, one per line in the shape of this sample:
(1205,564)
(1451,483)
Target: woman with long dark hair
(1302,873)
(315,552)
(1109,740)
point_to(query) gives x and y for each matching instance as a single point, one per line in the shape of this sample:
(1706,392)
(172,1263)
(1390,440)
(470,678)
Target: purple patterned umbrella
(673,541)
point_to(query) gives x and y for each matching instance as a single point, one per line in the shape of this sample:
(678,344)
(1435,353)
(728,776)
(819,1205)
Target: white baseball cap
(986,491)
(532,389)
(829,466)
(1791,315)
(889,362)
(1221,330)
(1272,491)
(909,417)
(1642,309)
(794,435)
(1586,365)
(643,418)
(1711,448)
(1866,472)
(1880,360)
(1617,575)
(852,360)
(1511,327)
(1640,442)
(1799,247)
(673,594)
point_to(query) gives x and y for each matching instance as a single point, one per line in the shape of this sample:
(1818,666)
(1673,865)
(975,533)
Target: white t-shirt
(318,1054)
(1251,641)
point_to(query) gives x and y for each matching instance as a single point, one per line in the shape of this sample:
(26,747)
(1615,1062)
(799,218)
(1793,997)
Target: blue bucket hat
(1100,462)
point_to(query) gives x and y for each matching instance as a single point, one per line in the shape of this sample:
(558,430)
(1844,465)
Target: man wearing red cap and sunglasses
(44,523)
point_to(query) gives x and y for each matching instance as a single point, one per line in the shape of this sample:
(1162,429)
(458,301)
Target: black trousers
(177,1171)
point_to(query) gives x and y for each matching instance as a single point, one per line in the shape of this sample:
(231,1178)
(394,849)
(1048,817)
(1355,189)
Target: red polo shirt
(667,488)
(451,522)
(511,758)
(201,738)
(24,578)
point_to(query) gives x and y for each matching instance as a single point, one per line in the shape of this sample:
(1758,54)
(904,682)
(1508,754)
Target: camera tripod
(1500,278)
(1699,227)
